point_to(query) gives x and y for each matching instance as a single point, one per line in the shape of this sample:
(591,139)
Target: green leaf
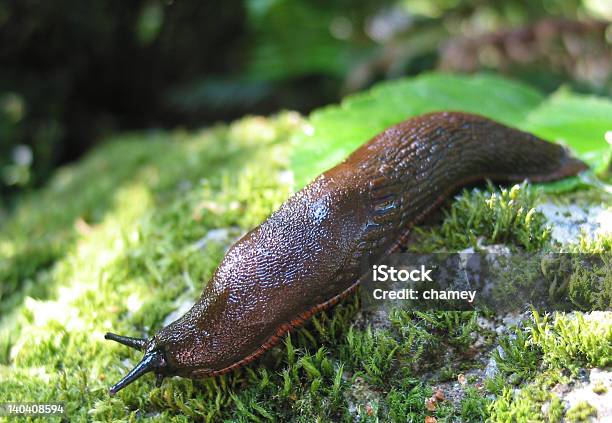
(578,121)
(335,131)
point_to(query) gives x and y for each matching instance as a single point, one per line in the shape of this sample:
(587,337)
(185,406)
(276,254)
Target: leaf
(564,185)
(335,131)
(578,121)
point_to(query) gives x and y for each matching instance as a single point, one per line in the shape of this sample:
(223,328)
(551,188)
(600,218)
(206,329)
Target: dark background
(73,72)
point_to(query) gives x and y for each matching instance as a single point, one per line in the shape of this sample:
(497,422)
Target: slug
(307,255)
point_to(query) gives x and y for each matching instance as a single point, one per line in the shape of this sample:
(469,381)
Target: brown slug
(307,255)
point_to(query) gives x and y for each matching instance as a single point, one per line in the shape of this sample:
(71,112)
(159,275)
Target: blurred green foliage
(73,72)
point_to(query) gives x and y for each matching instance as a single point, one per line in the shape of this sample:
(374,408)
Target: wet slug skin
(308,254)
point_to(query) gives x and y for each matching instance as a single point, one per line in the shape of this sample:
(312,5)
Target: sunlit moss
(526,404)
(507,216)
(581,412)
(571,341)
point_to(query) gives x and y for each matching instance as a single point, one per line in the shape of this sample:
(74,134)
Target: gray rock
(569,221)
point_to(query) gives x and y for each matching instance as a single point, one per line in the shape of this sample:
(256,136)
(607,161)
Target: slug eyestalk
(152,361)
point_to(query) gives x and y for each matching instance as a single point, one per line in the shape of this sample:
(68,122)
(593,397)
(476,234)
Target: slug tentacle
(136,343)
(312,251)
(152,361)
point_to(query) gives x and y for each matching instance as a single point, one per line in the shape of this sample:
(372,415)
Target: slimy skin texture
(311,252)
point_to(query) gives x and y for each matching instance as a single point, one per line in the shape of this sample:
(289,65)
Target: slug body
(312,250)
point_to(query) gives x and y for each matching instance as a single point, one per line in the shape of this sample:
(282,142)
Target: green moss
(581,412)
(574,340)
(438,340)
(407,401)
(602,243)
(559,342)
(589,287)
(517,358)
(498,216)
(474,406)
(371,353)
(600,388)
(527,403)
(556,410)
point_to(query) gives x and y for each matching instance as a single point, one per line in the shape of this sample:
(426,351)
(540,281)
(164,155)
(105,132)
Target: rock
(491,370)
(361,398)
(596,390)
(569,221)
